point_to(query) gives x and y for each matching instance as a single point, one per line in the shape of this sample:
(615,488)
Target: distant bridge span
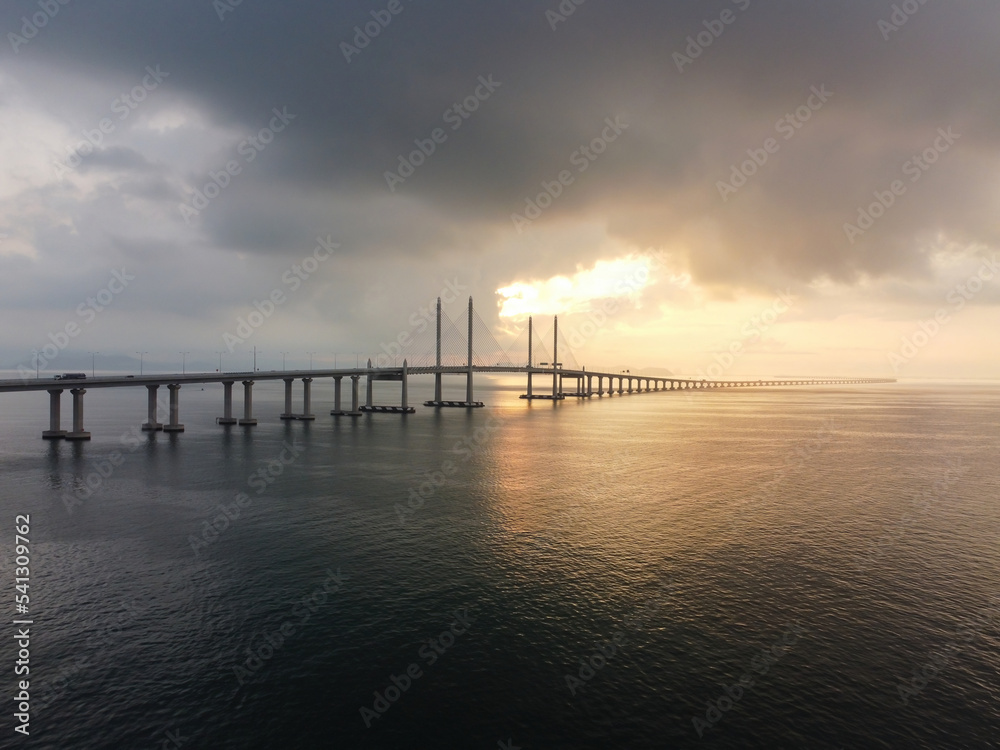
(583,386)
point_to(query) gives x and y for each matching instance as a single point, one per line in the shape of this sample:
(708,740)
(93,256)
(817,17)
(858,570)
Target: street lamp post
(140,360)
(220,360)
(311,358)
(92,355)
(283,361)
(184,362)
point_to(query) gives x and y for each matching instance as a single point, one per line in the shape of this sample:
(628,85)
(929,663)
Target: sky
(726,189)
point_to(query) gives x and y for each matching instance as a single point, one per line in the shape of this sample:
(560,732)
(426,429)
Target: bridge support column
(248,419)
(355,410)
(368,394)
(174,425)
(307,414)
(590,385)
(151,424)
(227,403)
(55,431)
(337,408)
(468,380)
(288,399)
(437,375)
(531,361)
(404,393)
(78,432)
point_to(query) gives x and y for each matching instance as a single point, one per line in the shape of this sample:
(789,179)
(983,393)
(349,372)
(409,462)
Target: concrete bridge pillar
(55,431)
(151,424)
(355,410)
(174,425)
(337,408)
(468,379)
(227,403)
(288,399)
(307,400)
(404,392)
(78,432)
(590,385)
(621,385)
(248,419)
(630,385)
(368,392)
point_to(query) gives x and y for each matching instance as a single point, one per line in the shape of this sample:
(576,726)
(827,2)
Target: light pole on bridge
(92,355)
(140,360)
(184,362)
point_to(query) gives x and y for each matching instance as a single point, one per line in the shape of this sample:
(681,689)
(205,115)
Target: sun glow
(622,277)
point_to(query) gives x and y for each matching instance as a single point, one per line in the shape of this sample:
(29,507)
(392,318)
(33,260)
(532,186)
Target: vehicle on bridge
(71,376)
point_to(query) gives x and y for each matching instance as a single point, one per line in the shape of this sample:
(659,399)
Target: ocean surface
(813,567)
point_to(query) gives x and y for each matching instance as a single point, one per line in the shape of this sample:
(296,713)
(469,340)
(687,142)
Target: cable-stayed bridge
(444,350)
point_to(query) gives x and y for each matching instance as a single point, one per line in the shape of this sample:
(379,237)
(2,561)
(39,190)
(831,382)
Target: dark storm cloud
(657,186)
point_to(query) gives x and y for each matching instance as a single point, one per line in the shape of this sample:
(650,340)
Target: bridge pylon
(469,403)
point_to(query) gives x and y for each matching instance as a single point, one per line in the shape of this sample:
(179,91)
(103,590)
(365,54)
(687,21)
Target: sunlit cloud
(608,279)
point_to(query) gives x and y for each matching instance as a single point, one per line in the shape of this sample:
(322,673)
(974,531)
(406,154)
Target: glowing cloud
(622,277)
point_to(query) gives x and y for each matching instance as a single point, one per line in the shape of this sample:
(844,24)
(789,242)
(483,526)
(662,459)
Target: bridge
(442,362)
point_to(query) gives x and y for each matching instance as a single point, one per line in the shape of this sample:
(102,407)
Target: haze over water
(681,534)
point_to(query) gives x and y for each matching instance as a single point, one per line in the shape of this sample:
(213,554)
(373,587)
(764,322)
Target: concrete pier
(337,410)
(227,403)
(248,419)
(355,410)
(437,375)
(55,431)
(369,388)
(78,433)
(174,424)
(306,414)
(151,425)
(288,399)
